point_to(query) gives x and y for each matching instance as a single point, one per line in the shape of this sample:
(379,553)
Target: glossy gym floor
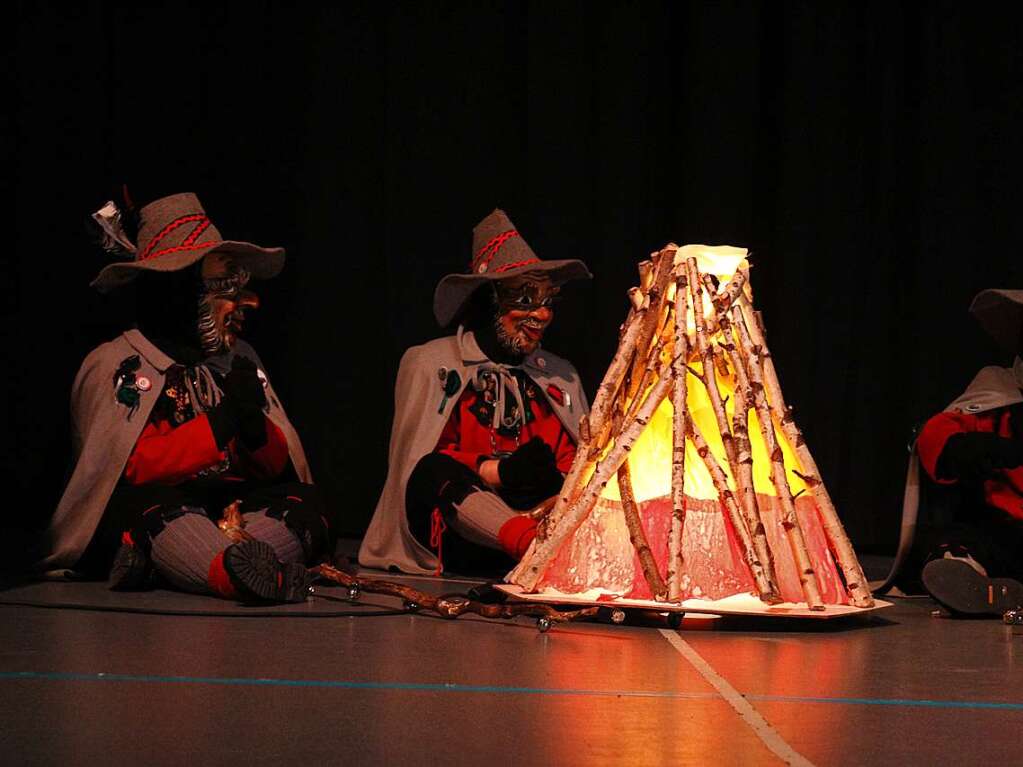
(88,677)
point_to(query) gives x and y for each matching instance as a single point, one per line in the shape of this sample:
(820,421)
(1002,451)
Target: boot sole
(961,589)
(130,570)
(255,567)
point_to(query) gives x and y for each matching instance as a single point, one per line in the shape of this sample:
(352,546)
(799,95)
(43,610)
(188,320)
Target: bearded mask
(523,309)
(223,300)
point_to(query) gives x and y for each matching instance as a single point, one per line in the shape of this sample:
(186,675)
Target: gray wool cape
(104,433)
(992,388)
(420,412)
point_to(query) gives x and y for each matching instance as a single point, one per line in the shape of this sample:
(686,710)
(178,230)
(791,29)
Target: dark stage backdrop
(868,153)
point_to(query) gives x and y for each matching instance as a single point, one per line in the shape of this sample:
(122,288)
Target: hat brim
(1000,313)
(262,263)
(454,291)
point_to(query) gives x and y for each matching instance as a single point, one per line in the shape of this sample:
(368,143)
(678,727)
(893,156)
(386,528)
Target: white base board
(739,604)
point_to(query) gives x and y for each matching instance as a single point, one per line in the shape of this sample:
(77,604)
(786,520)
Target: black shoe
(131,571)
(954,584)
(258,574)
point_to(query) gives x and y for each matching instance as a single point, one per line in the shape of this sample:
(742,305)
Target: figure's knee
(300,508)
(439,478)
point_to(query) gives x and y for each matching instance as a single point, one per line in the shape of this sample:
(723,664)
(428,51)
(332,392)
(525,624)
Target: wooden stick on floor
(448,605)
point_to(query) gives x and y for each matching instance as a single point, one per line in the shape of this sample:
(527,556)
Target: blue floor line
(500,689)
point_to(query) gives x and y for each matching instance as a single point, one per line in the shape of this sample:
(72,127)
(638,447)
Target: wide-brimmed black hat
(174,233)
(1000,313)
(499,252)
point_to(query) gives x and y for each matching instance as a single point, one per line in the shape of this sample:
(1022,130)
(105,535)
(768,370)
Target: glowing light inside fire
(651,455)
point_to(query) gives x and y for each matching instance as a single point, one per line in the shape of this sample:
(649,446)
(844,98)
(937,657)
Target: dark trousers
(990,536)
(438,483)
(298,505)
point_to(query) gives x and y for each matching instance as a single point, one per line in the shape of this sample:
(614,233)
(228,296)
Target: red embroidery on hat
(487,252)
(196,232)
(181,221)
(178,248)
(517,264)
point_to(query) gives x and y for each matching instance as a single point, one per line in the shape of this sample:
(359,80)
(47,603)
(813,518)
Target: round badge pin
(143,383)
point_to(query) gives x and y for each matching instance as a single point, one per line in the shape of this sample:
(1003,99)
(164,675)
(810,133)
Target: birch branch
(748,502)
(680,405)
(528,573)
(706,352)
(637,536)
(790,522)
(852,572)
(765,586)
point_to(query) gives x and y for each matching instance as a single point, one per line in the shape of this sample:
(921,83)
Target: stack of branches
(656,350)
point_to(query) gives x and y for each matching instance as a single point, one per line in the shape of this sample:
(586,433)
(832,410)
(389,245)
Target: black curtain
(867,153)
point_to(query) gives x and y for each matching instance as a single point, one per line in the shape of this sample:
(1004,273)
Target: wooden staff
(790,522)
(232,523)
(528,573)
(448,605)
(765,585)
(679,394)
(841,547)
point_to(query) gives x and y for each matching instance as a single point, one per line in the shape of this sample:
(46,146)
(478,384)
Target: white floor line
(743,708)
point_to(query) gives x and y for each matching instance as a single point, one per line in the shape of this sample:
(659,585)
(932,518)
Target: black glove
(240,412)
(975,455)
(532,466)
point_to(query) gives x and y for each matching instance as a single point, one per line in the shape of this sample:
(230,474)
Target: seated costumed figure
(486,421)
(186,467)
(970,534)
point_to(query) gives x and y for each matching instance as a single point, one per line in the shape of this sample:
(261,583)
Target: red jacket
(168,454)
(466,439)
(1003,491)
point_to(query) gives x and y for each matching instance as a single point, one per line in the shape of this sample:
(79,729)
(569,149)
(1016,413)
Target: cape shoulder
(550,365)
(993,387)
(93,388)
(442,351)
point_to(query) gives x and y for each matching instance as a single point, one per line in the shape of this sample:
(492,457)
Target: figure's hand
(532,466)
(977,455)
(240,412)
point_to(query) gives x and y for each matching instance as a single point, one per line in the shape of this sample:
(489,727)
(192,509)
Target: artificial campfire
(692,479)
